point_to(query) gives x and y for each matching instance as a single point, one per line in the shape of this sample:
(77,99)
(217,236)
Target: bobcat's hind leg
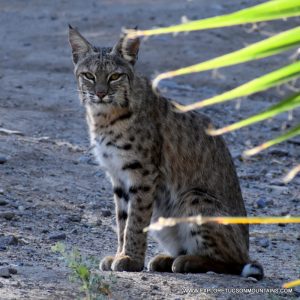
(161,263)
(203,264)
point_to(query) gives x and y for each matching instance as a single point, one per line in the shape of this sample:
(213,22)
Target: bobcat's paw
(187,264)
(105,263)
(161,263)
(126,263)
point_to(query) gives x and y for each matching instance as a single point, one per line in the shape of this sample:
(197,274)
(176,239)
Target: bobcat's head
(104,75)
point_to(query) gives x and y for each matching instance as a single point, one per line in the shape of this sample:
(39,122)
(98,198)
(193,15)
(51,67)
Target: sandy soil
(50,184)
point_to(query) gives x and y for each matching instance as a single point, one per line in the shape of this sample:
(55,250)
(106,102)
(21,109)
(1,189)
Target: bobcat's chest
(110,155)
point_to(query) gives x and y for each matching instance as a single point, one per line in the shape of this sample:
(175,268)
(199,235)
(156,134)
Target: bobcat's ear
(128,49)
(80,46)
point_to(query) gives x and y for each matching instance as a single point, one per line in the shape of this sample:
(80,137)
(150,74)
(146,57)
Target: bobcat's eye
(114,76)
(89,76)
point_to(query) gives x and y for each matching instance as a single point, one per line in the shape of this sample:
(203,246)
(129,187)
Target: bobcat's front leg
(140,205)
(121,204)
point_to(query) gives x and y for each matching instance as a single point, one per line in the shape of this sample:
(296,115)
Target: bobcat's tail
(253,269)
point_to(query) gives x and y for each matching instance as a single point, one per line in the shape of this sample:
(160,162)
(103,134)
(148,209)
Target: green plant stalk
(287,135)
(274,45)
(283,106)
(291,174)
(262,83)
(271,10)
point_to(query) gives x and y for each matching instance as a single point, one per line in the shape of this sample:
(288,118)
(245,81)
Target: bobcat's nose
(101,94)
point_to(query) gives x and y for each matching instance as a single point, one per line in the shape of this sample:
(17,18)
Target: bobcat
(161,163)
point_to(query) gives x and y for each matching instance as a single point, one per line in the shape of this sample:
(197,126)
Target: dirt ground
(50,187)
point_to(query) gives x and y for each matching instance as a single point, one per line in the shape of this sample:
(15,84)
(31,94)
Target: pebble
(251,279)
(297,291)
(21,208)
(106,213)
(264,243)
(13,271)
(9,240)
(73,218)
(4,272)
(98,222)
(87,160)
(1,285)
(279,152)
(144,278)
(3,202)
(3,159)
(7,215)
(99,174)
(210,273)
(57,236)
(154,287)
(261,203)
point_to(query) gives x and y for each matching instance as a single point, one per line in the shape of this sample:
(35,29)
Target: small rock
(13,271)
(261,203)
(74,231)
(281,224)
(264,243)
(279,152)
(73,218)
(45,230)
(83,159)
(3,202)
(1,285)
(3,159)
(19,87)
(57,236)
(250,279)
(9,240)
(98,222)
(21,208)
(154,287)
(99,174)
(297,291)
(7,215)
(106,213)
(87,160)
(144,278)
(210,273)
(4,272)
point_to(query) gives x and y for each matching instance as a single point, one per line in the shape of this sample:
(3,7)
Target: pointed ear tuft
(128,49)
(80,46)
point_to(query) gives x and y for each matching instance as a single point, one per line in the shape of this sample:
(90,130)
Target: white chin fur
(250,270)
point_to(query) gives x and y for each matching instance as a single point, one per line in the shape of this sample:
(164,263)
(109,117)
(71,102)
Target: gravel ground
(50,187)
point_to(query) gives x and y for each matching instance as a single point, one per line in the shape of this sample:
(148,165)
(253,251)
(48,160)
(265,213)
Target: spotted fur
(161,163)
